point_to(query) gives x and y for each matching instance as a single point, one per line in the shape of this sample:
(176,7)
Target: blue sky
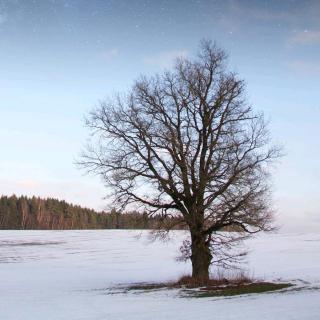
(59,58)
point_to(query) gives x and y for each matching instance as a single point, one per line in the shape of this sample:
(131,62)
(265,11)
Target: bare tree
(186,143)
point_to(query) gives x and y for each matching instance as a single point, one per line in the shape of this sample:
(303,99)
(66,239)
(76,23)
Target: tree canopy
(187,143)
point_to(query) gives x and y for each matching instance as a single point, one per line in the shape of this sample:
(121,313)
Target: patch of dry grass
(236,284)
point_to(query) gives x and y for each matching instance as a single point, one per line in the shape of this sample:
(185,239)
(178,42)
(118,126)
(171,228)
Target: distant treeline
(52,214)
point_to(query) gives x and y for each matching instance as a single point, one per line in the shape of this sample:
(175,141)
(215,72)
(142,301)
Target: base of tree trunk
(201,259)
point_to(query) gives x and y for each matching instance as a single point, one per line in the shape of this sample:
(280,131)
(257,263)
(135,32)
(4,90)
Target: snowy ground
(63,275)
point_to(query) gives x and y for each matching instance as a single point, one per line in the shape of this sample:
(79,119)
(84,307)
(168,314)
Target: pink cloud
(307,37)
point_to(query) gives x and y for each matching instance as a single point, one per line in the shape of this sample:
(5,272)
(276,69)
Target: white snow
(59,275)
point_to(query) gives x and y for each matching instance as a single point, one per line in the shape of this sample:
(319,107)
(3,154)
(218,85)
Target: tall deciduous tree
(187,143)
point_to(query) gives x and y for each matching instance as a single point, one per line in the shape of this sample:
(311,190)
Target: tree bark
(200,257)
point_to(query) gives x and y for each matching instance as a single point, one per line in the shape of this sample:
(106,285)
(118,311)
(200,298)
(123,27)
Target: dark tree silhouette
(186,143)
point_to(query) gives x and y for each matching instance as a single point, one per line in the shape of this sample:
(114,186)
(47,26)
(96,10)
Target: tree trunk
(200,257)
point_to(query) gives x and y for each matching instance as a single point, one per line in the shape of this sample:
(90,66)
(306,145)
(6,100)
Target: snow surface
(68,275)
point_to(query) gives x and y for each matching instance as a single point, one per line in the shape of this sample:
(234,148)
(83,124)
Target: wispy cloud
(28,183)
(3,17)
(110,54)
(307,68)
(237,15)
(165,59)
(306,37)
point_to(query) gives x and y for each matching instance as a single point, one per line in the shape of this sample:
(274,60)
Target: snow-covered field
(62,275)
